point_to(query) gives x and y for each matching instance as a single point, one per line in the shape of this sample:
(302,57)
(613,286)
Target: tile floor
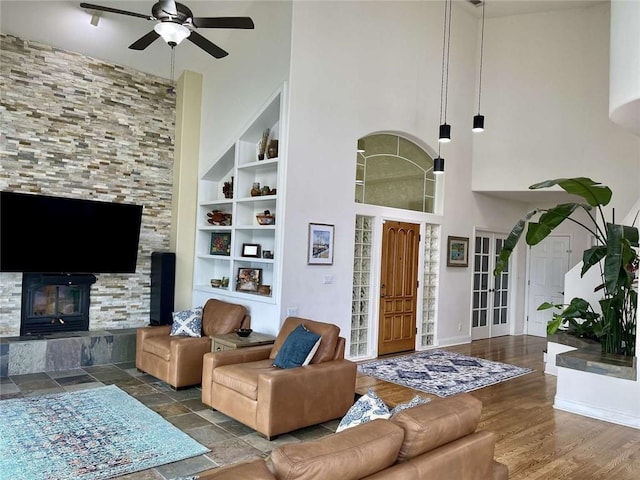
(228,440)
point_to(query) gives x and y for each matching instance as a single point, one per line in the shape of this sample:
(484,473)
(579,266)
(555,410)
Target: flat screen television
(45,234)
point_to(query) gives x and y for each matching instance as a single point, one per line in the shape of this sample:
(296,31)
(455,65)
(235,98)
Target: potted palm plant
(614,254)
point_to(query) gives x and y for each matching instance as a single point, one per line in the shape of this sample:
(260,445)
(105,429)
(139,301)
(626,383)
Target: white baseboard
(451,341)
(597,413)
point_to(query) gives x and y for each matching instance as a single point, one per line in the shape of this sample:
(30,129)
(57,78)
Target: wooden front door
(398,287)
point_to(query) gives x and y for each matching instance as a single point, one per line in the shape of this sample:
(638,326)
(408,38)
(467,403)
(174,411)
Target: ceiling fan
(175,22)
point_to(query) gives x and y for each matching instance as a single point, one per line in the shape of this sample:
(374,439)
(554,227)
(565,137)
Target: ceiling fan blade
(206,45)
(169,7)
(223,22)
(90,6)
(144,42)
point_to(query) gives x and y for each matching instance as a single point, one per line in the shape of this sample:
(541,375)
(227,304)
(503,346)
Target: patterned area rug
(88,434)
(441,373)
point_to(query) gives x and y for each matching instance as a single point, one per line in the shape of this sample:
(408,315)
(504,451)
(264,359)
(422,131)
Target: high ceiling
(64,24)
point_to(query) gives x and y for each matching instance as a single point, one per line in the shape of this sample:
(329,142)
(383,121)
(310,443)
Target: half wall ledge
(586,360)
(66,351)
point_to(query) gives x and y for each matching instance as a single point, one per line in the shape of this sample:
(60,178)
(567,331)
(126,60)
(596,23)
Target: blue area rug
(441,373)
(89,434)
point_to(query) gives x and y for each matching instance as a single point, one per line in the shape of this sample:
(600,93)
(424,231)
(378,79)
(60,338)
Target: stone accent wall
(74,126)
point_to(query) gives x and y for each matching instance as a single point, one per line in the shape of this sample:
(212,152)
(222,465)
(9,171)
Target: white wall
(546,99)
(624,88)
(234,91)
(362,67)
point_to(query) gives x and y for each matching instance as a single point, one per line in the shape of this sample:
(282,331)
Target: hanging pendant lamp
(444,133)
(478,120)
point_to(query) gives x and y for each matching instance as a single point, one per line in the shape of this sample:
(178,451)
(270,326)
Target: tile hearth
(65,351)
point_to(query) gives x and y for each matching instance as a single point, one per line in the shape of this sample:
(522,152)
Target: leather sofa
(245,385)
(437,440)
(177,360)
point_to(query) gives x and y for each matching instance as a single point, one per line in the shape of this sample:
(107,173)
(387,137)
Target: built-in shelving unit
(240,165)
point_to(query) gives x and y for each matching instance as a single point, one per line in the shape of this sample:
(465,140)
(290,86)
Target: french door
(490,295)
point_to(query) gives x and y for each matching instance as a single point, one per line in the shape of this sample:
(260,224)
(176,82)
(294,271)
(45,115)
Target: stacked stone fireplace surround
(75,126)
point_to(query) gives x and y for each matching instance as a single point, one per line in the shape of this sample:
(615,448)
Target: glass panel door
(490,295)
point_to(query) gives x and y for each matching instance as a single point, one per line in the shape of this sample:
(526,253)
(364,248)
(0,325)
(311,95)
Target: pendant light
(444,134)
(478,120)
(438,165)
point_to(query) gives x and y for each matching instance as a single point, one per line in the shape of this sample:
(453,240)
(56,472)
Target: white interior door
(548,264)
(490,297)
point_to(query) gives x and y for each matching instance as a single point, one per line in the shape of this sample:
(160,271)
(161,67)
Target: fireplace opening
(55,303)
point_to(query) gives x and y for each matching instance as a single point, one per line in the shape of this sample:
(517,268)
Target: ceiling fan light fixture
(172,33)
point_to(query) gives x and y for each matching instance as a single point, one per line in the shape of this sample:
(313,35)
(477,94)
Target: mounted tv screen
(46,234)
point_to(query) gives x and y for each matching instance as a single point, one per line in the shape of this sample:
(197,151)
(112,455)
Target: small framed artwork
(251,250)
(220,243)
(249,279)
(320,244)
(457,251)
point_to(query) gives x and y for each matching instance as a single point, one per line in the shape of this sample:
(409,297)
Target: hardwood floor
(534,440)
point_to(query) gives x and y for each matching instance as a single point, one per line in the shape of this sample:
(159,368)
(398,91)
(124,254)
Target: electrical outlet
(292,311)
(327,279)
(459,327)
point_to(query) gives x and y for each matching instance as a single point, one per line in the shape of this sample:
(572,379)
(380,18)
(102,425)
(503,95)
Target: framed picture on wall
(320,244)
(457,251)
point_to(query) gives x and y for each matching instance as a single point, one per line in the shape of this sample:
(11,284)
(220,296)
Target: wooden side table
(231,341)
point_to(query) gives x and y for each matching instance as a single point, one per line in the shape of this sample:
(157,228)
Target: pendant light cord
(444,40)
(446,94)
(481,56)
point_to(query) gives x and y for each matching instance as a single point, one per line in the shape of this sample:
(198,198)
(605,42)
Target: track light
(95,19)
(172,33)
(438,165)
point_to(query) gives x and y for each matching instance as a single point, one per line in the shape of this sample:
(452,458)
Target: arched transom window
(392,171)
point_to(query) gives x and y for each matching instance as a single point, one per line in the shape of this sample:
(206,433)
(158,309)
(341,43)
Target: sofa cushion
(254,470)
(298,348)
(349,455)
(414,402)
(329,332)
(437,423)
(242,377)
(187,323)
(368,407)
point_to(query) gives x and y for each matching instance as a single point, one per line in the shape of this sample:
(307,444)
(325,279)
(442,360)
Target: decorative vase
(255,189)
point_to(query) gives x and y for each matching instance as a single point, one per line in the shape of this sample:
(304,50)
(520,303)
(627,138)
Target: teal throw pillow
(298,348)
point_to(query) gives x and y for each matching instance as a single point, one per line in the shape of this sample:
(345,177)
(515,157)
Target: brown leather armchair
(177,360)
(245,385)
